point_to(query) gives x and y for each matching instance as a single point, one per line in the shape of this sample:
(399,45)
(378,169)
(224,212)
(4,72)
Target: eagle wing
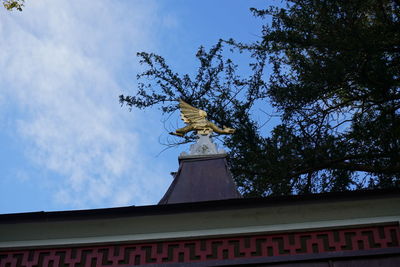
(189,114)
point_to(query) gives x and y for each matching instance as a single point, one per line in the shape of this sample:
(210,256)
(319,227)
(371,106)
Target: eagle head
(202,113)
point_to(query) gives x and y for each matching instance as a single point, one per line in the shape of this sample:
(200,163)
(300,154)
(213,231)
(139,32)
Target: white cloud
(61,62)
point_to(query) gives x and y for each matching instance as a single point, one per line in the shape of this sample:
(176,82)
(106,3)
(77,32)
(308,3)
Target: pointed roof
(201,178)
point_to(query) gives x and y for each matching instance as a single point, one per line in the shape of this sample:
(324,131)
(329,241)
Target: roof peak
(201,178)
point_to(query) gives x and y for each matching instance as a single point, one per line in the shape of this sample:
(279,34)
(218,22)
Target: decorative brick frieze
(225,248)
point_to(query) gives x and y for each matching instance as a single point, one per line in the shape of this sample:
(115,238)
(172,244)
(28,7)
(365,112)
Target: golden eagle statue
(196,121)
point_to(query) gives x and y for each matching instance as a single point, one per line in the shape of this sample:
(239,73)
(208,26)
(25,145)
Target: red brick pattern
(267,245)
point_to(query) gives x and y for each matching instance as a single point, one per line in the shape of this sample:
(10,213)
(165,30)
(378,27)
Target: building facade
(203,221)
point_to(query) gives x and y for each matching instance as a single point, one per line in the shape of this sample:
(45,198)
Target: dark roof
(201,179)
(215,205)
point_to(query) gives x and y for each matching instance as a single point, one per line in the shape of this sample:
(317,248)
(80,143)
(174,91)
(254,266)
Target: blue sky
(65,141)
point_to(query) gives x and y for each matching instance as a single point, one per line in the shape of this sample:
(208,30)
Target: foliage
(334,83)
(13,4)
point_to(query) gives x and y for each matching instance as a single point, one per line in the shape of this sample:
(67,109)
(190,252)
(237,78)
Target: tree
(335,84)
(13,4)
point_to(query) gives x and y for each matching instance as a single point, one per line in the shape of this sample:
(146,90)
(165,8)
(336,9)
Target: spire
(203,175)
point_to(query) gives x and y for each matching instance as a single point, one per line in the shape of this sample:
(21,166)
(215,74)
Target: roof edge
(238,203)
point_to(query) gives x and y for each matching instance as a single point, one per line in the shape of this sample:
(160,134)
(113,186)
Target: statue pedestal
(203,146)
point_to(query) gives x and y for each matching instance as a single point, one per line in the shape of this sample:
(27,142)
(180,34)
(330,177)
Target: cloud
(62,65)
